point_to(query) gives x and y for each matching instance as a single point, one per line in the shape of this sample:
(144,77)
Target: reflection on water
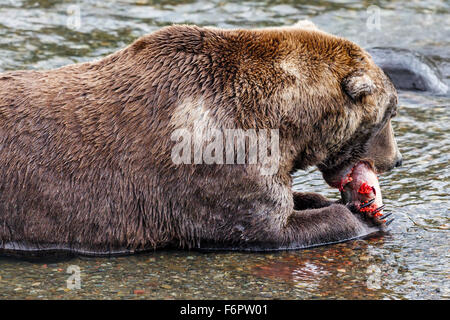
(412,261)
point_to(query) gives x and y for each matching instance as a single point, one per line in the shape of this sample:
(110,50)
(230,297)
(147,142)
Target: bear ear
(358,85)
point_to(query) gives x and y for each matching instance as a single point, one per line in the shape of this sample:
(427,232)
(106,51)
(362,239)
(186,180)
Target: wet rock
(138,291)
(365,258)
(409,70)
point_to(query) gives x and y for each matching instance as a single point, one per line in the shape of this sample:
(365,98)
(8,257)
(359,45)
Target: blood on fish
(366,189)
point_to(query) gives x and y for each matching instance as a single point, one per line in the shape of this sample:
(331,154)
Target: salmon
(359,187)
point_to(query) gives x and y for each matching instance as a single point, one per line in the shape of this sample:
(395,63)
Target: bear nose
(399,162)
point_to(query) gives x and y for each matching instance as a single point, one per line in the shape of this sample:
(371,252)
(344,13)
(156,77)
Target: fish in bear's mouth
(360,190)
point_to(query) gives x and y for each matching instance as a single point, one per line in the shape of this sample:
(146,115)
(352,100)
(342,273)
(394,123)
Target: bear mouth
(362,169)
(338,177)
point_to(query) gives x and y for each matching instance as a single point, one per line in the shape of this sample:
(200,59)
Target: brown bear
(87,161)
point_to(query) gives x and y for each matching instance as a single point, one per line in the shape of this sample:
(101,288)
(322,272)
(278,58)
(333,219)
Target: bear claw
(385,216)
(366,204)
(377,210)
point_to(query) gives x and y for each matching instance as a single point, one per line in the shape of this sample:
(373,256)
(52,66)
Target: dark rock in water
(409,70)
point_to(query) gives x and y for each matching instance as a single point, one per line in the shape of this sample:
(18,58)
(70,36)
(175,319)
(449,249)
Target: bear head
(340,102)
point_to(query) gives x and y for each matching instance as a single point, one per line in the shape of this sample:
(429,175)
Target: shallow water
(412,261)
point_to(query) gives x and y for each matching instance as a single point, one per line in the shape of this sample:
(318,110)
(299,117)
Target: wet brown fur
(85,161)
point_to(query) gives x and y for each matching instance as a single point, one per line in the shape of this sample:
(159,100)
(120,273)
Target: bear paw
(371,215)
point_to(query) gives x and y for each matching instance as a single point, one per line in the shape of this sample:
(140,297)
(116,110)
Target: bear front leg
(310,200)
(333,223)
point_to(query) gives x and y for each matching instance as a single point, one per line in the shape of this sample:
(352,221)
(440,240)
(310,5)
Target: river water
(410,262)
